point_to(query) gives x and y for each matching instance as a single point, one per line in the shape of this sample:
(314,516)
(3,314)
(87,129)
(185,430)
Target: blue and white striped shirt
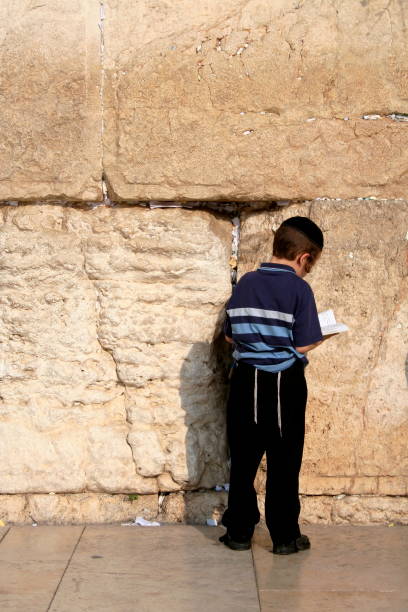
(270,312)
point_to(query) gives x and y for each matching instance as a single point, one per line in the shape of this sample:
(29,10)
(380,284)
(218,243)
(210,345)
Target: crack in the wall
(102,85)
(98,309)
(224,208)
(236,235)
(104,348)
(371,116)
(382,337)
(119,381)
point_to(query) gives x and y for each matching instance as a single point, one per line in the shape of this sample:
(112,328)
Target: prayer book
(329,324)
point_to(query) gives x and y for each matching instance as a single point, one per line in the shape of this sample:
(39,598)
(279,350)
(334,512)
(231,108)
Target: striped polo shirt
(271,311)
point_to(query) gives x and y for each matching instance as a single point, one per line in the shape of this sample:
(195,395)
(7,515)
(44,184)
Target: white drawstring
(256,400)
(279,406)
(256,397)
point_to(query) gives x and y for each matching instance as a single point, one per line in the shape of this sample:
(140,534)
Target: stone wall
(113,371)
(234,100)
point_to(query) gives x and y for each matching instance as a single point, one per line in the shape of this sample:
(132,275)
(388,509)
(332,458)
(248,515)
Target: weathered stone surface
(246,101)
(255,100)
(75,508)
(204,505)
(90,508)
(13,509)
(370,509)
(354,509)
(349,485)
(356,428)
(50,100)
(111,381)
(350,509)
(193,507)
(316,509)
(173,509)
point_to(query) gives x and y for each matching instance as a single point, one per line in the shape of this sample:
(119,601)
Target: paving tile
(181,568)
(32,561)
(333,601)
(185,568)
(347,559)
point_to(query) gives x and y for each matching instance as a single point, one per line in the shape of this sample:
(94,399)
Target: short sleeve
(306,327)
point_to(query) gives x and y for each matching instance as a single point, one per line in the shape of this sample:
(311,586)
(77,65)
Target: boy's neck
(288,262)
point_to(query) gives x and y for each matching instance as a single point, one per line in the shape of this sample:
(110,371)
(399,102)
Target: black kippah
(308,228)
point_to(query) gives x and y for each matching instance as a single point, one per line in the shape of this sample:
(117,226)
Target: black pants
(248,440)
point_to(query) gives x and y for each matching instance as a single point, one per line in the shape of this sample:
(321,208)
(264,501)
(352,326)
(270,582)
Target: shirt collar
(268,267)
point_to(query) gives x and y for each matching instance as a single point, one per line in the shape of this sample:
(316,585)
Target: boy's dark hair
(298,235)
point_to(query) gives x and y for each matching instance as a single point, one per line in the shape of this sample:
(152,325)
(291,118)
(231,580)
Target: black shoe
(301,543)
(233,544)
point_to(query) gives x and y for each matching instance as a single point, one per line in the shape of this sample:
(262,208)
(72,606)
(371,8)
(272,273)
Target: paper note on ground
(139,520)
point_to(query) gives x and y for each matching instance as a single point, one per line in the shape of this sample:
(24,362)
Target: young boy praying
(272,322)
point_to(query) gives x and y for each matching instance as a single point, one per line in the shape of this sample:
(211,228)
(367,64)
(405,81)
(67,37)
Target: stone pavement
(184,568)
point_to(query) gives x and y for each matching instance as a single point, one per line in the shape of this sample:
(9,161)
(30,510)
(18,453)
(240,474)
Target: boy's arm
(309,347)
(228,329)
(307,333)
(304,349)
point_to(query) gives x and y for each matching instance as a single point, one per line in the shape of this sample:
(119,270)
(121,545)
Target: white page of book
(334,329)
(327,318)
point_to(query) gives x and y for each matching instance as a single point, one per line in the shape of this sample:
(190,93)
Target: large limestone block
(358,402)
(76,508)
(255,100)
(354,510)
(13,508)
(50,100)
(111,377)
(90,508)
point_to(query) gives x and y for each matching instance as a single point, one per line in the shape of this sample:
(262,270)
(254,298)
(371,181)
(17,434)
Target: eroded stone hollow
(114,373)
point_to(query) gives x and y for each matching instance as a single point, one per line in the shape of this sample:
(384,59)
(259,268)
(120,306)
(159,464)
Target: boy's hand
(330,335)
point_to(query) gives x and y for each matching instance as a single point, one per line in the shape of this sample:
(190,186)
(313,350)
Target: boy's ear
(303,257)
(305,261)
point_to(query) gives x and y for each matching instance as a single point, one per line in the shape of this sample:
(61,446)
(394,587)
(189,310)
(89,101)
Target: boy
(272,322)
